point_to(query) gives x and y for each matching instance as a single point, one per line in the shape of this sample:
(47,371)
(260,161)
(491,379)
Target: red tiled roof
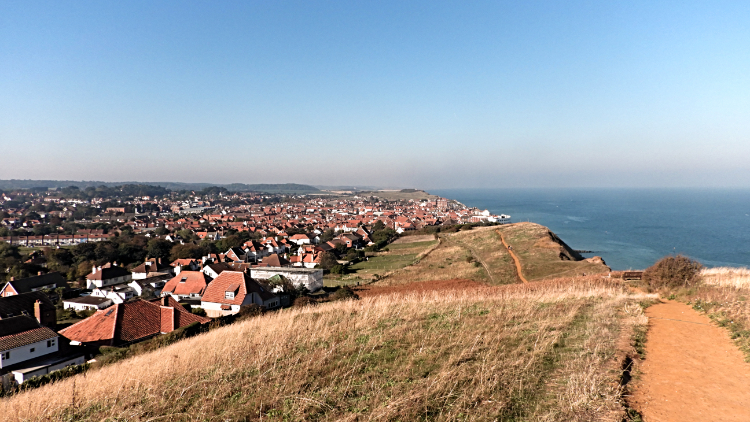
(21,331)
(130,321)
(194,282)
(226,281)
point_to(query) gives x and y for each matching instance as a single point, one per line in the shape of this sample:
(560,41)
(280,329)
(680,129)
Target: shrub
(673,271)
(303,301)
(344,293)
(198,311)
(250,311)
(338,269)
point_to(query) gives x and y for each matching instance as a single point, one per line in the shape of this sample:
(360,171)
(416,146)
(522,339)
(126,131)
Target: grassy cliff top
(520,352)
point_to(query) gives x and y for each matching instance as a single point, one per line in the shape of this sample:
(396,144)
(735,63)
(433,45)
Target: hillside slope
(542,351)
(479,255)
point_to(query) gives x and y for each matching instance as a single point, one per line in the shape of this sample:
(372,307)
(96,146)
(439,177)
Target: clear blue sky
(411,94)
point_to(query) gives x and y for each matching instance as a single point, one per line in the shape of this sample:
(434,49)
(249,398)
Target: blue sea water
(631,228)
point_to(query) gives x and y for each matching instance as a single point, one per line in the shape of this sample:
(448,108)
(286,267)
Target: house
(117,294)
(107,275)
(213,270)
(309,278)
(185,265)
(152,265)
(150,285)
(34,304)
(186,285)
(87,303)
(28,349)
(274,260)
(233,289)
(131,322)
(301,239)
(236,255)
(49,281)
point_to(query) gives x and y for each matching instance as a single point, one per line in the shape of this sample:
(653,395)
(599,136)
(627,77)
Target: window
(229,295)
(32,350)
(5,355)
(50,343)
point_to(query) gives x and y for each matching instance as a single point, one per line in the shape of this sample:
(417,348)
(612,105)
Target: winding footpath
(515,258)
(692,370)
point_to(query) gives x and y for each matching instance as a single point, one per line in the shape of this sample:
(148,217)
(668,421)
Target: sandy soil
(419,287)
(519,270)
(692,370)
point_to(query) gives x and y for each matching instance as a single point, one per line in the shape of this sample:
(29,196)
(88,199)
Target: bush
(198,311)
(673,271)
(303,301)
(344,293)
(338,269)
(250,311)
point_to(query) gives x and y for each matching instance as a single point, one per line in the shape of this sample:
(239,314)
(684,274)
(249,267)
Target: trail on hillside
(515,258)
(692,370)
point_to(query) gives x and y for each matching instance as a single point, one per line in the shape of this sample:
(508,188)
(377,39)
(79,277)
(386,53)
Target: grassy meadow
(479,255)
(542,256)
(542,351)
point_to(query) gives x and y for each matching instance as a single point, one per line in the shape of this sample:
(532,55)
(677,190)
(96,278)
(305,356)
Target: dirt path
(692,370)
(515,258)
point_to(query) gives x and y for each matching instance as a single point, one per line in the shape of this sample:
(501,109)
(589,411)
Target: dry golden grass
(486,247)
(726,277)
(447,261)
(524,352)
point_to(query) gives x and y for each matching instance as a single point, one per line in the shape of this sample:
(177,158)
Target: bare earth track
(692,370)
(519,270)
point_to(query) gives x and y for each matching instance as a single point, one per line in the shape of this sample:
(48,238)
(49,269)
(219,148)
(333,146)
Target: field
(544,256)
(542,351)
(479,255)
(400,254)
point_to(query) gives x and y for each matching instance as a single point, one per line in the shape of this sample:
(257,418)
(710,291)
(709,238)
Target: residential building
(49,281)
(231,290)
(131,322)
(186,285)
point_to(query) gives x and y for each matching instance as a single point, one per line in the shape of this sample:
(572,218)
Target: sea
(631,228)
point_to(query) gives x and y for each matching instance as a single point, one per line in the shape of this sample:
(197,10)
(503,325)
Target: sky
(425,94)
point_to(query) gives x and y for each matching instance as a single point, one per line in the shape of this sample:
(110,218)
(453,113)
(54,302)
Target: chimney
(93,270)
(39,273)
(12,279)
(38,311)
(165,301)
(168,316)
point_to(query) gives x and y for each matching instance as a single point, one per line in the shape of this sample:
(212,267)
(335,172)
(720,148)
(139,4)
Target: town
(96,269)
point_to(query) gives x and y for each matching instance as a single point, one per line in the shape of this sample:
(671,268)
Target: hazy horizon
(432,95)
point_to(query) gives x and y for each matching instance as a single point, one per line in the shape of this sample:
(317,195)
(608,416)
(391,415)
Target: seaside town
(87,273)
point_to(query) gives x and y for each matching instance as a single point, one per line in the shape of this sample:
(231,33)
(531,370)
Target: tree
(186,251)
(673,271)
(327,235)
(327,260)
(231,241)
(159,248)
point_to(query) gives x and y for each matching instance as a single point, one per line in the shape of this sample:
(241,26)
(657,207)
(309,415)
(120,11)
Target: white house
(87,303)
(310,278)
(27,349)
(107,275)
(117,294)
